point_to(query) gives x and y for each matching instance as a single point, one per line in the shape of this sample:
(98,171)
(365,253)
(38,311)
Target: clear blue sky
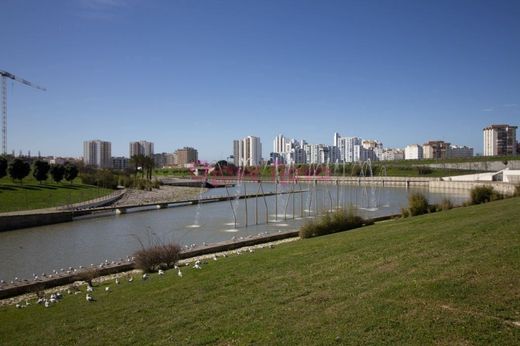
(202,73)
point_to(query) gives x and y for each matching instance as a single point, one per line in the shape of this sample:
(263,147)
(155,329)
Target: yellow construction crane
(5,75)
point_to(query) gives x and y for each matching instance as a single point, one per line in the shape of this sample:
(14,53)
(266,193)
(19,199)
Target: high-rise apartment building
(141,148)
(500,140)
(347,148)
(249,151)
(279,144)
(97,153)
(186,155)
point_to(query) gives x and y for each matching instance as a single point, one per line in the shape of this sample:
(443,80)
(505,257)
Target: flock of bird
(53,298)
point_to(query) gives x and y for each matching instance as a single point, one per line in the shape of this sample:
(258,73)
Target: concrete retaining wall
(442,186)
(384,181)
(11,221)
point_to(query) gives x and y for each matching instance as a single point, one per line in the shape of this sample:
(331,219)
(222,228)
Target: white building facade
(249,151)
(413,152)
(500,140)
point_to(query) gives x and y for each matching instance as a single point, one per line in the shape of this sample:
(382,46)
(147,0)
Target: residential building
(392,155)
(120,163)
(500,140)
(458,151)
(97,153)
(347,149)
(279,144)
(435,150)
(236,151)
(186,156)
(249,151)
(141,148)
(413,152)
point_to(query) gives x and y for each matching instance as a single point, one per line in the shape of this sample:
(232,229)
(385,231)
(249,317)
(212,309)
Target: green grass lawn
(450,278)
(33,195)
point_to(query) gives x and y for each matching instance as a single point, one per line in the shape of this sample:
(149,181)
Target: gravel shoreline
(164,194)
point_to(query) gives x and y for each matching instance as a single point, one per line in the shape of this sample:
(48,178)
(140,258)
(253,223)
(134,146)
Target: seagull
(107,289)
(145,276)
(18,306)
(89,298)
(90,288)
(117,281)
(197,266)
(179,273)
(160,272)
(130,279)
(214,257)
(40,301)
(46,304)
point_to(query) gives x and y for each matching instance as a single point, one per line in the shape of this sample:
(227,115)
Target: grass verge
(33,195)
(446,278)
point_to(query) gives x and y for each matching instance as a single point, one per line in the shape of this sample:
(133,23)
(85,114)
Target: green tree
(71,172)
(41,170)
(19,169)
(3,167)
(57,172)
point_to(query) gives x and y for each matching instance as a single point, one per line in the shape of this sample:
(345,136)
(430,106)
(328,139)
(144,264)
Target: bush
(157,256)
(445,205)
(331,222)
(422,170)
(484,194)
(417,204)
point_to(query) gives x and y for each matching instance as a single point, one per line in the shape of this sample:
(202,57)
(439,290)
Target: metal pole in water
(293,200)
(256,206)
(301,200)
(231,204)
(265,202)
(245,200)
(276,200)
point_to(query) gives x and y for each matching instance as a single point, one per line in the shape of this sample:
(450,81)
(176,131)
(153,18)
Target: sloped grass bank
(444,278)
(33,195)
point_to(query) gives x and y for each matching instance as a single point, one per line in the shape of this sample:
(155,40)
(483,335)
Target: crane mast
(5,75)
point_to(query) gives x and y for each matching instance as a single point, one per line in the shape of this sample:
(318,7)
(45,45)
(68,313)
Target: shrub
(331,222)
(157,257)
(484,194)
(422,170)
(445,205)
(417,204)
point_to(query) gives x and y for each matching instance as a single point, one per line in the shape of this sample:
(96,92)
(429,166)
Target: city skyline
(210,72)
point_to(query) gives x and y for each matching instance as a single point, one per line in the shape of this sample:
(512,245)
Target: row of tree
(18,169)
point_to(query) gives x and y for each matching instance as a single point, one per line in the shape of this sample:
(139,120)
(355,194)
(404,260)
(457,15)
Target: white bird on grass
(130,279)
(89,298)
(117,281)
(179,273)
(145,276)
(47,304)
(160,272)
(197,266)
(90,288)
(107,289)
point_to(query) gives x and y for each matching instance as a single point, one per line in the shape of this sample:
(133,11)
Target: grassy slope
(445,278)
(33,195)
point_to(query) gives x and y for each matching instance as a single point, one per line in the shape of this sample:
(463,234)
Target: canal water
(93,240)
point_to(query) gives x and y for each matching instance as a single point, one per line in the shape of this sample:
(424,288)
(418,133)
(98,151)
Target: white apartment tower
(279,144)
(413,152)
(500,140)
(141,148)
(97,153)
(249,151)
